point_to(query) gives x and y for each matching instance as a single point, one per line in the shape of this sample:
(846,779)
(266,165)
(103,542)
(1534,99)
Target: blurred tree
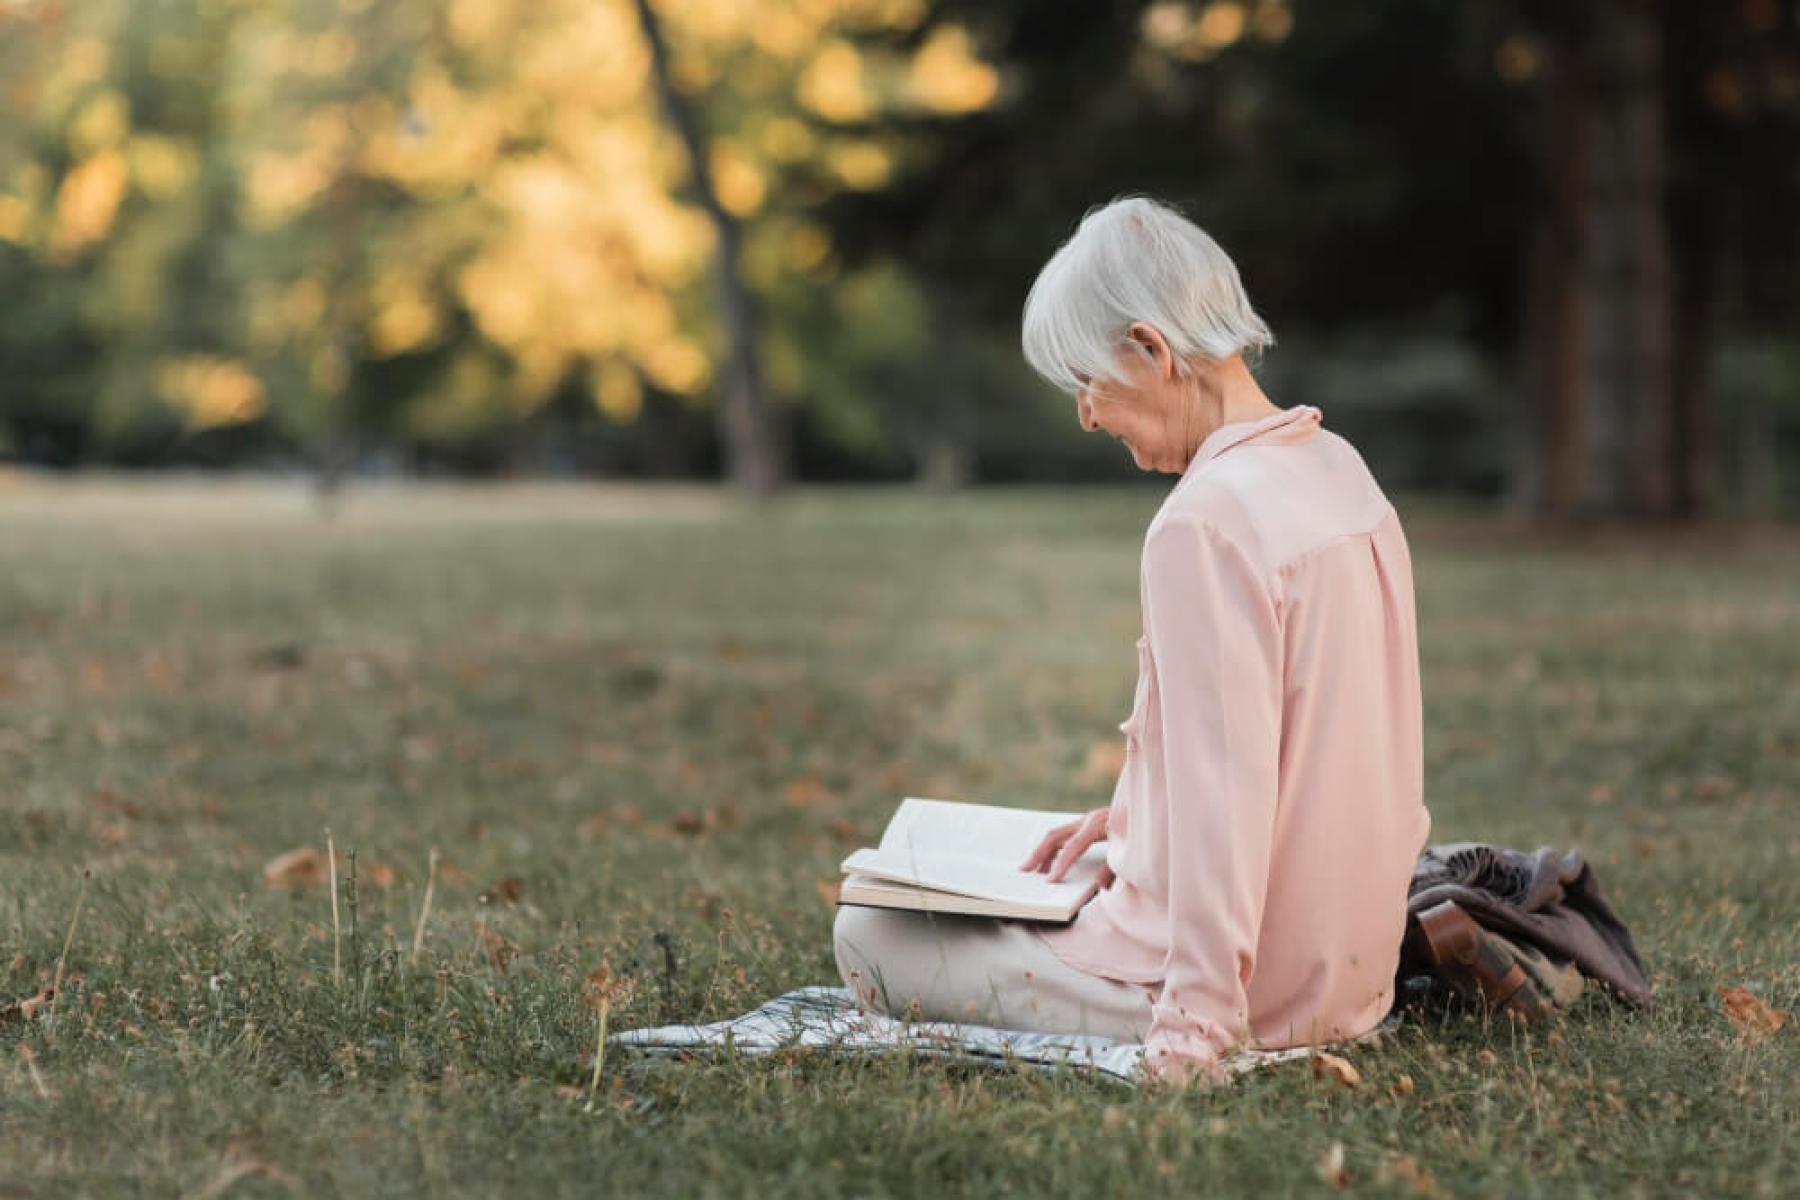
(434,223)
(120,327)
(1569,186)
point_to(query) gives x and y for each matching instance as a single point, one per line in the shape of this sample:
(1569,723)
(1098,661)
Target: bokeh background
(1542,255)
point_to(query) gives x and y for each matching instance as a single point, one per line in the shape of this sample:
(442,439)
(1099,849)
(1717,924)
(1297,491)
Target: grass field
(641,729)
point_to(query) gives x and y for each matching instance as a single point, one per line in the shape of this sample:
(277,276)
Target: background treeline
(1542,251)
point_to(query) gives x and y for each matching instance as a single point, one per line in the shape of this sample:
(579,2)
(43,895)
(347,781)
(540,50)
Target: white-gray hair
(1136,259)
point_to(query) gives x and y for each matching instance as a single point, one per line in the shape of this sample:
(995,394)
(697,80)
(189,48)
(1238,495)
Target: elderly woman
(1266,820)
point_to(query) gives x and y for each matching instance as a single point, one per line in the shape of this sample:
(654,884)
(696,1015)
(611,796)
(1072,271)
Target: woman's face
(1146,408)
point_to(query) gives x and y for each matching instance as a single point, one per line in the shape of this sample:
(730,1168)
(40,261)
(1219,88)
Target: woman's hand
(1066,843)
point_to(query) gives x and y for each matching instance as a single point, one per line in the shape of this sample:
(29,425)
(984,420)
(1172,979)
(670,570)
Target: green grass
(665,722)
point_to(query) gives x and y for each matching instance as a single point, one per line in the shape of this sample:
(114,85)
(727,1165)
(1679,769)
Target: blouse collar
(1295,424)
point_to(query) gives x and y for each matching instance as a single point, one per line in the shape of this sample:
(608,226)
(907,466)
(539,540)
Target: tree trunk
(1602,326)
(754,457)
(1555,470)
(1556,312)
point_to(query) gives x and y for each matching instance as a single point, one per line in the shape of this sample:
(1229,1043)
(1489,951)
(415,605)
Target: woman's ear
(1150,340)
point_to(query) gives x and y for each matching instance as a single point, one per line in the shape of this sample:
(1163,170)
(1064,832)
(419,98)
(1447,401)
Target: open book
(944,857)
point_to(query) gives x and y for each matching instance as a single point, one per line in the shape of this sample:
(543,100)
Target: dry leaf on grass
(828,889)
(1405,1169)
(296,868)
(499,948)
(1752,1016)
(505,890)
(1331,1066)
(238,1166)
(1330,1167)
(24,1010)
(807,792)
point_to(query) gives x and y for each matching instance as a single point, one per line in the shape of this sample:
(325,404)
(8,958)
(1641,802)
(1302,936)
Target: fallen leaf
(1711,787)
(1330,1065)
(689,824)
(807,792)
(295,868)
(1330,1167)
(592,829)
(1405,1169)
(828,889)
(379,874)
(24,1010)
(499,948)
(505,890)
(1402,1086)
(1752,1016)
(237,1167)
(111,801)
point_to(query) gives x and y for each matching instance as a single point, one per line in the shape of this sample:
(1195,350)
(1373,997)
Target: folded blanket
(826,1018)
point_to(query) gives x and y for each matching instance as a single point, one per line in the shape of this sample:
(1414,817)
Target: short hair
(1136,259)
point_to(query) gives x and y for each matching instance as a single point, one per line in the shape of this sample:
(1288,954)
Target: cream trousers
(979,970)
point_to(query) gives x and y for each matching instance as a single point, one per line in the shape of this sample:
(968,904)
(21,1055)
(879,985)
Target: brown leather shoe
(1479,966)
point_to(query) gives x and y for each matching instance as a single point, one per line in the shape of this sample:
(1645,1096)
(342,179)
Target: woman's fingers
(1087,832)
(1046,850)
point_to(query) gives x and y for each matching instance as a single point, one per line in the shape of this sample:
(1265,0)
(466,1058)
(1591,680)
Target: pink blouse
(1266,821)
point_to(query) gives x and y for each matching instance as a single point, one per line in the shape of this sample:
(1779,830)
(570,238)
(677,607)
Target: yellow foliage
(303,306)
(739,181)
(405,318)
(100,124)
(1273,20)
(331,53)
(15,219)
(170,57)
(85,60)
(210,391)
(278,188)
(678,365)
(782,33)
(473,22)
(833,84)
(947,76)
(87,202)
(860,165)
(787,140)
(499,300)
(162,166)
(618,393)
(1173,27)
(1221,24)
(807,247)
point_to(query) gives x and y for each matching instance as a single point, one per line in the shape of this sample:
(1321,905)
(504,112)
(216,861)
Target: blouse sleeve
(1215,639)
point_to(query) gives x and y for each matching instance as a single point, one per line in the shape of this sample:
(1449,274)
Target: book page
(975,850)
(978,875)
(985,829)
